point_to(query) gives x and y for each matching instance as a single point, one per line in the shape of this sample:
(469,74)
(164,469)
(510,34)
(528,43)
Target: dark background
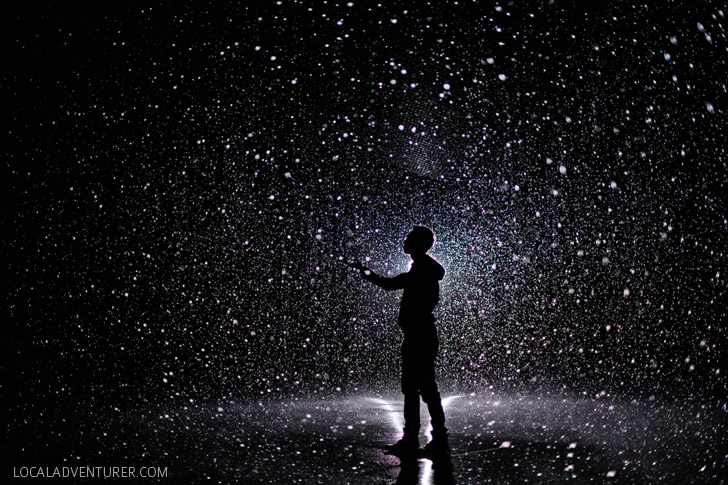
(182,184)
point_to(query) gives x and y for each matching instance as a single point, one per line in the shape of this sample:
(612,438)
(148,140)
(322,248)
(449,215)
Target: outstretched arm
(395,283)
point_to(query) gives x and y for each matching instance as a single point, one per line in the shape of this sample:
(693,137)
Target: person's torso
(421,294)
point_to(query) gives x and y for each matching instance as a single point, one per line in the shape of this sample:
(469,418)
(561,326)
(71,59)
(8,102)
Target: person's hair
(424,237)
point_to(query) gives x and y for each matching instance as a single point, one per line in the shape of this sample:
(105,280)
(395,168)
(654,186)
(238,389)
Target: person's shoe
(438,446)
(408,445)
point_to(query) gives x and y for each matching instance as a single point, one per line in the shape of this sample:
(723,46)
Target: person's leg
(431,396)
(437,414)
(409,442)
(410,378)
(412,411)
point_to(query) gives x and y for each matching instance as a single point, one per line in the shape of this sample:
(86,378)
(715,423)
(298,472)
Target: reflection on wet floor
(411,469)
(494,438)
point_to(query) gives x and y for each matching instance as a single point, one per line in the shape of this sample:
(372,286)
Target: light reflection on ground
(495,438)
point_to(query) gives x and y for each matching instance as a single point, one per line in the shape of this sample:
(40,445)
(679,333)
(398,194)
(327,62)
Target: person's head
(419,240)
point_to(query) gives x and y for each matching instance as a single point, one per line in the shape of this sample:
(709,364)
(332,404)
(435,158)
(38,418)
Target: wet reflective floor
(494,438)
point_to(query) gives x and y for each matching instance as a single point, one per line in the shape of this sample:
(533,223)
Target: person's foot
(438,446)
(408,445)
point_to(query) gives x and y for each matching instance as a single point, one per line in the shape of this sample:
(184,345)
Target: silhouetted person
(419,349)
